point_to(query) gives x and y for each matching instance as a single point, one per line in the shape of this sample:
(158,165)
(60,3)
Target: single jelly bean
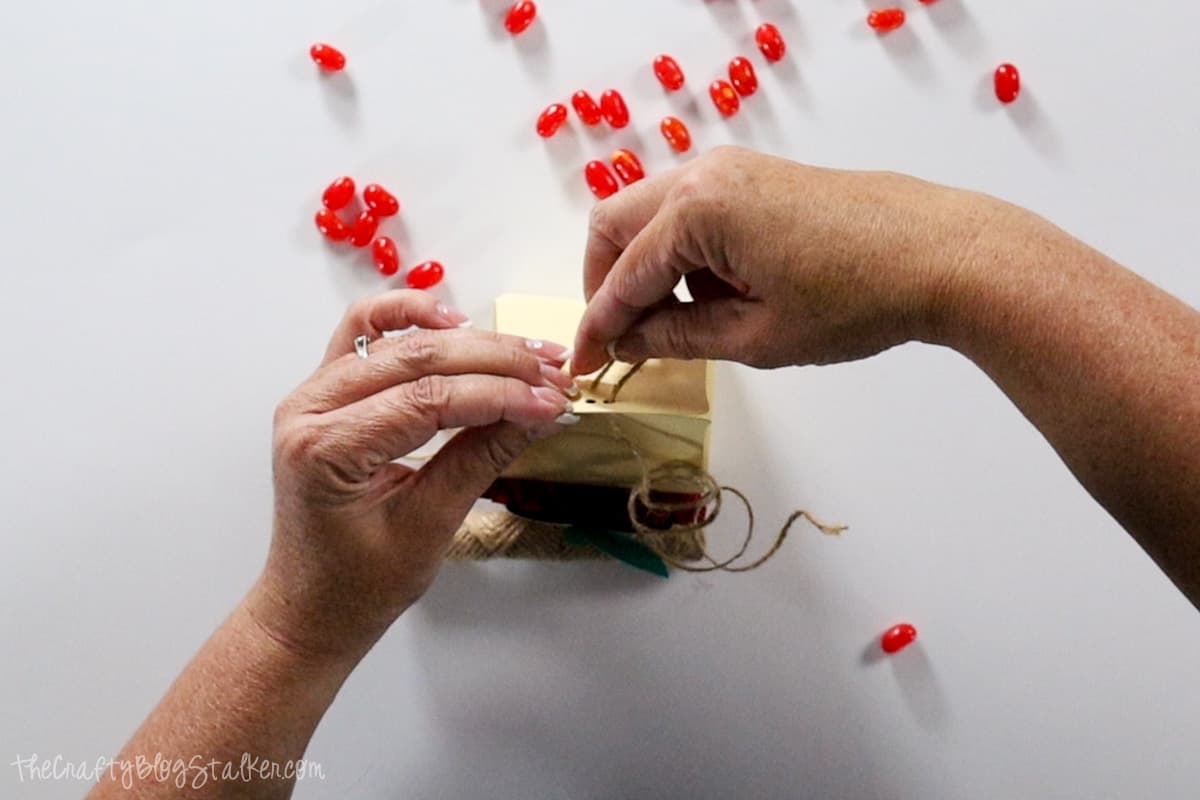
(520,16)
(676,134)
(551,120)
(327,57)
(741,75)
(381,201)
(339,194)
(667,70)
(886,19)
(612,105)
(587,108)
(770,41)
(364,228)
(600,180)
(425,275)
(387,259)
(330,226)
(897,638)
(627,166)
(1008,83)
(724,97)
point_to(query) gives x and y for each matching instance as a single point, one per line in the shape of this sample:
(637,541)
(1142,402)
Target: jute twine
(499,534)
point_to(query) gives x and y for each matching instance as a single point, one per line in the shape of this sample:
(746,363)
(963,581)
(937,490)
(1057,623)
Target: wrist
(307,641)
(975,269)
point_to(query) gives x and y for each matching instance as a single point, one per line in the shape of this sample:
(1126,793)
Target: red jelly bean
(339,194)
(551,120)
(327,57)
(587,108)
(600,180)
(667,70)
(387,259)
(364,228)
(886,19)
(520,17)
(1008,83)
(425,275)
(330,226)
(381,201)
(770,41)
(724,97)
(897,638)
(612,105)
(741,75)
(627,166)
(676,134)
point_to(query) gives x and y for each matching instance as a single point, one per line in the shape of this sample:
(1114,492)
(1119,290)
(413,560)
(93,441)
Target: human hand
(358,538)
(786,264)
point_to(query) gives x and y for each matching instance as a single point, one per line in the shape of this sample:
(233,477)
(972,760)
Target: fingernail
(611,348)
(567,419)
(552,398)
(574,392)
(551,351)
(556,378)
(457,317)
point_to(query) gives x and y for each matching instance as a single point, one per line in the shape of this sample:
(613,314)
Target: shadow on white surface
(953,20)
(916,679)
(908,53)
(341,97)
(1025,113)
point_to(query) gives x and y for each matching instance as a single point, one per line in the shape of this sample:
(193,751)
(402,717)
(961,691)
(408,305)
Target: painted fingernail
(553,398)
(567,419)
(550,351)
(457,317)
(557,378)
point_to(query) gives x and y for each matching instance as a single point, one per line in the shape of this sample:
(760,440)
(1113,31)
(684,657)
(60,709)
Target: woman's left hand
(357,537)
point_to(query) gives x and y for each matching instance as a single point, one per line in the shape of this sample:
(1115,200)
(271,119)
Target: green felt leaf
(620,546)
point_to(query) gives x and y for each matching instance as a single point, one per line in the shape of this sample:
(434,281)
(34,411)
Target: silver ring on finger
(360,346)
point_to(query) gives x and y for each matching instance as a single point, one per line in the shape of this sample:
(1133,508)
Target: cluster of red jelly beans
(726,96)
(1007,80)
(611,109)
(379,203)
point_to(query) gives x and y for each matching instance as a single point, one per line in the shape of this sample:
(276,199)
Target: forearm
(247,692)
(1106,365)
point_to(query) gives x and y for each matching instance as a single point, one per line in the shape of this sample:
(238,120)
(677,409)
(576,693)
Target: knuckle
(429,392)
(358,315)
(499,451)
(600,222)
(421,351)
(678,338)
(300,443)
(283,412)
(725,152)
(523,365)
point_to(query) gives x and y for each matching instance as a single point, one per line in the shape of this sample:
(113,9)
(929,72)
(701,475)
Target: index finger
(643,276)
(614,224)
(390,311)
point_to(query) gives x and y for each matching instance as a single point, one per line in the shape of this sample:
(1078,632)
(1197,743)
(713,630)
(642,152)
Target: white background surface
(163,287)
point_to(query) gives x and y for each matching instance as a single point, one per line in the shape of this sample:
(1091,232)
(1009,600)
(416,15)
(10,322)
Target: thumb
(705,329)
(468,464)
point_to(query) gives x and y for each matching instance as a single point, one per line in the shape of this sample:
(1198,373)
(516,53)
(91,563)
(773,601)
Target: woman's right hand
(786,264)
